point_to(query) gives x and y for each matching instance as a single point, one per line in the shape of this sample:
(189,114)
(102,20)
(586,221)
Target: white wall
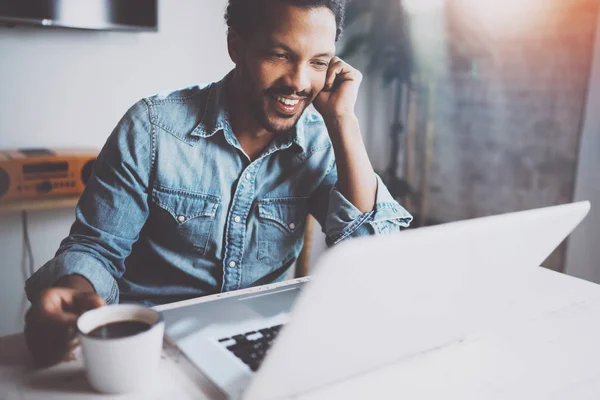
(583,257)
(69,88)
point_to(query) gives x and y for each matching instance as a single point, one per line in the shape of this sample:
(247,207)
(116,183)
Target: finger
(87,301)
(334,70)
(56,305)
(62,317)
(342,72)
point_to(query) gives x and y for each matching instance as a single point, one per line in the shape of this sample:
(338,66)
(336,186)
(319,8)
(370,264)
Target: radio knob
(44,187)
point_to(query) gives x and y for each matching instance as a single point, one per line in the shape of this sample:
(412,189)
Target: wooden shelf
(36,205)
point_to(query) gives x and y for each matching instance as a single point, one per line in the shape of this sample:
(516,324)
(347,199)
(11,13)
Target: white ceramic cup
(121,365)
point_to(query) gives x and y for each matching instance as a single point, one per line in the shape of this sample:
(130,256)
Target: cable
(27,255)
(24,267)
(27,242)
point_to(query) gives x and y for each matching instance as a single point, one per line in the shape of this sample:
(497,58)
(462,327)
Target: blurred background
(468,108)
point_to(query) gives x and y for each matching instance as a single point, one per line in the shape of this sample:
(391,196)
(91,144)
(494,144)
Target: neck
(241,119)
(253,138)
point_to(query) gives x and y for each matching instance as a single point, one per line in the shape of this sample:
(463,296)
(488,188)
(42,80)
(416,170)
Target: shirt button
(232,264)
(248,176)
(180,218)
(292,225)
(237,219)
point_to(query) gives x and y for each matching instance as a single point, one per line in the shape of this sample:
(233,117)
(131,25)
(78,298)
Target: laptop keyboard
(251,347)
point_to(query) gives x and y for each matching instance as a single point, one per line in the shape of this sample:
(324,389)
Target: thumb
(87,301)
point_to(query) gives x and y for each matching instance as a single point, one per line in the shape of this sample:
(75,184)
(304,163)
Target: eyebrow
(286,48)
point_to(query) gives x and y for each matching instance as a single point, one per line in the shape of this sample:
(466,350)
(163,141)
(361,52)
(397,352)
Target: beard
(264,108)
(273,121)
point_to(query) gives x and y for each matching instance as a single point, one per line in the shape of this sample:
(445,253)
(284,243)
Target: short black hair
(242,16)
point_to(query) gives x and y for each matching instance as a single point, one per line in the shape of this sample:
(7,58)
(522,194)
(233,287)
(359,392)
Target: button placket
(236,229)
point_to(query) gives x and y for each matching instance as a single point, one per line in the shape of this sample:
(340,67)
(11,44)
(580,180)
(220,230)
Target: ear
(234,46)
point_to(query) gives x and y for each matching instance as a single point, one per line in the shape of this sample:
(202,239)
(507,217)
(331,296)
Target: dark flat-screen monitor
(119,15)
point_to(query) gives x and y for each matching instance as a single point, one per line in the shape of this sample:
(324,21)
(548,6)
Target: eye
(281,56)
(320,64)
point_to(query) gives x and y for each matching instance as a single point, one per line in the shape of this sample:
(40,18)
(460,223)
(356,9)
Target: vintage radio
(40,173)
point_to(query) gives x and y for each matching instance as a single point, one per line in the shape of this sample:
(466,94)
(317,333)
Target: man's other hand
(50,322)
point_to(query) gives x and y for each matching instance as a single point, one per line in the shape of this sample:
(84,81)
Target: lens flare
(500,17)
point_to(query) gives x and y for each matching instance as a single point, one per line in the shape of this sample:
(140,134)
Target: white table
(21,380)
(546,345)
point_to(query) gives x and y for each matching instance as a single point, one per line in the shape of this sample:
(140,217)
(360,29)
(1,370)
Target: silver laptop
(288,339)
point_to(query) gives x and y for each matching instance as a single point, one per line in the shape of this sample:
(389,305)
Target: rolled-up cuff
(344,219)
(71,263)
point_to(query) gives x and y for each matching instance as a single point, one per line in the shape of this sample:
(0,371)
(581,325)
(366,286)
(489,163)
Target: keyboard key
(252,347)
(240,338)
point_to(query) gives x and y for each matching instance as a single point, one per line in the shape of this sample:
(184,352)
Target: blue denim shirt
(175,209)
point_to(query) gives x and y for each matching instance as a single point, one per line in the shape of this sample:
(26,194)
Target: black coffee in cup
(119,329)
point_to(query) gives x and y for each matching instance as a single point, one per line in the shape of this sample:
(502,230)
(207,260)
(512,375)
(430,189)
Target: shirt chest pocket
(281,229)
(184,220)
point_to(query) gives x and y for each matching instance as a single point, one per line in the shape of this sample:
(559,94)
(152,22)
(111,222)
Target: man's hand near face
(335,103)
(50,322)
(338,97)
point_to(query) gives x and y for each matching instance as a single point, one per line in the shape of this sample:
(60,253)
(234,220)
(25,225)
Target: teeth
(287,102)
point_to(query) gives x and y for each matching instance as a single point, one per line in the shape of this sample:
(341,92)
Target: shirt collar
(216,118)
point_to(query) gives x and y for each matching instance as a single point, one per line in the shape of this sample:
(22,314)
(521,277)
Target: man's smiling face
(283,65)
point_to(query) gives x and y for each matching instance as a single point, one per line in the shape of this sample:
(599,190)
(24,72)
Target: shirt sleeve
(340,219)
(110,214)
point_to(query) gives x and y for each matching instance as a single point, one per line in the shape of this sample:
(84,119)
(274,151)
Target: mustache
(288,91)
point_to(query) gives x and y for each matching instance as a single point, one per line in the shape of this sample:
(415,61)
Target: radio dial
(44,187)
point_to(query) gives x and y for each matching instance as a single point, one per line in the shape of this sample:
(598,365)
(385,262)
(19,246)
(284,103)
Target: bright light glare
(501,16)
(422,6)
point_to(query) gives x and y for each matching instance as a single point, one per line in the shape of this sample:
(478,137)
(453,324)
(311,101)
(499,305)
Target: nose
(298,78)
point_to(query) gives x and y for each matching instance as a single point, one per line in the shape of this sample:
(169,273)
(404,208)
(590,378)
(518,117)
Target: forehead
(302,29)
